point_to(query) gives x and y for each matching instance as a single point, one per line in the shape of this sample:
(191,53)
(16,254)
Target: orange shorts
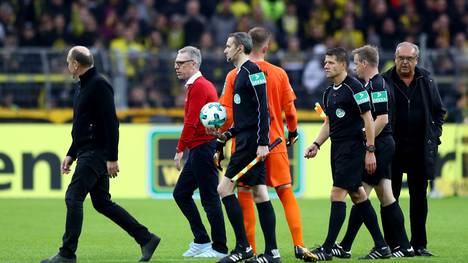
(277,169)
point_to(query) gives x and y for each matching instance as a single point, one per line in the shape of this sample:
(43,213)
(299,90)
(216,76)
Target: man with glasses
(199,170)
(418,115)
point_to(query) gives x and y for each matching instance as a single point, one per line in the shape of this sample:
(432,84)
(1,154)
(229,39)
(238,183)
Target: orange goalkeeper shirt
(280,98)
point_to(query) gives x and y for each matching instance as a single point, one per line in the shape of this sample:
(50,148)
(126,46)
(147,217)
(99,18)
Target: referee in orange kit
(280,99)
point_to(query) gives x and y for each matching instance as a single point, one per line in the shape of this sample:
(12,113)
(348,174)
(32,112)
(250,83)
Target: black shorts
(246,151)
(347,163)
(385,148)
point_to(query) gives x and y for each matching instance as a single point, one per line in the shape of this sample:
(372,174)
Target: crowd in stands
(303,29)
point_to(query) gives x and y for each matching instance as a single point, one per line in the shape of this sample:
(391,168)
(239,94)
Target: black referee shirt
(344,104)
(250,104)
(95,124)
(380,98)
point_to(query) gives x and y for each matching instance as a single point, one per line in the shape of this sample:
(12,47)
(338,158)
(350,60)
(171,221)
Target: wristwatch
(370,148)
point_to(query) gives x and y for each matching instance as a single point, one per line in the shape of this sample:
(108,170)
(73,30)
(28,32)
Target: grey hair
(242,38)
(414,46)
(194,54)
(368,53)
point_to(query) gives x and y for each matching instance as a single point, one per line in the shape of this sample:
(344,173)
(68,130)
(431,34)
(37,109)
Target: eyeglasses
(180,63)
(409,59)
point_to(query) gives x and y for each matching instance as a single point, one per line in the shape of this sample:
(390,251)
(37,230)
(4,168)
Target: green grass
(31,230)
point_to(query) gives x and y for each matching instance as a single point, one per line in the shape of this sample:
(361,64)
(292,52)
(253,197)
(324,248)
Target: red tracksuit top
(197,94)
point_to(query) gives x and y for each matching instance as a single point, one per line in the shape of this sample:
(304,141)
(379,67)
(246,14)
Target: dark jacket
(434,113)
(95,123)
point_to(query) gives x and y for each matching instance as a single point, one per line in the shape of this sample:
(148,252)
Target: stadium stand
(134,42)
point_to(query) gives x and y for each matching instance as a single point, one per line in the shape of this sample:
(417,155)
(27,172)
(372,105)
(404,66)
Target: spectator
(57,7)
(28,36)
(61,35)
(410,20)
(161,25)
(315,35)
(258,19)
(389,37)
(457,10)
(440,28)
(109,28)
(314,78)
(90,34)
(137,98)
(175,38)
(272,9)
(240,8)
(146,10)
(243,24)
(46,32)
(222,23)
(154,43)
(194,24)
(288,25)
(349,37)
(170,7)
(292,61)
(127,46)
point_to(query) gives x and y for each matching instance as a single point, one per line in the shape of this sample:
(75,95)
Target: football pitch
(31,229)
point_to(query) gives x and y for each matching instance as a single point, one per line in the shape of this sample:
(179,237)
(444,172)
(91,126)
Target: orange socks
(292,212)
(247,204)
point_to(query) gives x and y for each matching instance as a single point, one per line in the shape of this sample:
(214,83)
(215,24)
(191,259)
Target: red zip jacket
(197,94)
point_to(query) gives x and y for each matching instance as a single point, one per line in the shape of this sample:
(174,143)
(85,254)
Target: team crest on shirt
(257,78)
(361,97)
(379,96)
(340,113)
(237,99)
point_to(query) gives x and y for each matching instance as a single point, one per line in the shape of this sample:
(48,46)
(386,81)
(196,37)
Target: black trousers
(91,177)
(410,161)
(199,172)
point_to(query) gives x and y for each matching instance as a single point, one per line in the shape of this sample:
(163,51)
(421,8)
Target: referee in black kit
(95,136)
(251,129)
(366,59)
(346,104)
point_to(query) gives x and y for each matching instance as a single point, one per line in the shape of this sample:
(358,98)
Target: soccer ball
(213,115)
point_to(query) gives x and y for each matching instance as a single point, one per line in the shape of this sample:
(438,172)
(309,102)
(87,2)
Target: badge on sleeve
(361,97)
(379,96)
(257,79)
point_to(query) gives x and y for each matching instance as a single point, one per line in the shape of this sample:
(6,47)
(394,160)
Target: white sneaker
(195,249)
(211,253)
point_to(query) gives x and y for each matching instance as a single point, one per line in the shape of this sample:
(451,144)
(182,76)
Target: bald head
(82,55)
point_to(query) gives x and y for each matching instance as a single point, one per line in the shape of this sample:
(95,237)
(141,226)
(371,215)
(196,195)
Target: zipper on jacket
(408,100)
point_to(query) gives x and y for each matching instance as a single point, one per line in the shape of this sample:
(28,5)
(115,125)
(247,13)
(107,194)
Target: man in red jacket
(199,170)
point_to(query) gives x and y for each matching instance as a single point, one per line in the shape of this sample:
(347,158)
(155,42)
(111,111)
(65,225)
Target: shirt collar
(87,75)
(192,79)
